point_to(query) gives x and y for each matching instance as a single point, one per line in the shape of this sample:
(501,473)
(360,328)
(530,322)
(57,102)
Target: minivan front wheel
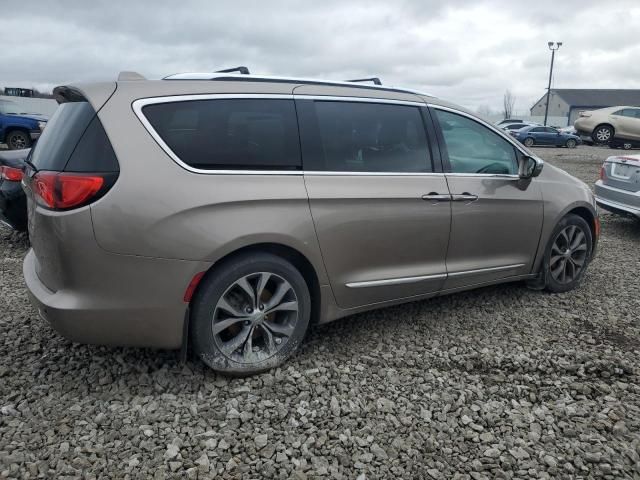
(568,254)
(250,314)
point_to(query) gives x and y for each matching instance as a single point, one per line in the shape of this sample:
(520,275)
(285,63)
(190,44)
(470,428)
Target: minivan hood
(556,174)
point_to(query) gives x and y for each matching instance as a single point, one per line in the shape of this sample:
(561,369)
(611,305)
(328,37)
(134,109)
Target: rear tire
(528,142)
(627,146)
(602,134)
(571,143)
(568,254)
(17,140)
(250,314)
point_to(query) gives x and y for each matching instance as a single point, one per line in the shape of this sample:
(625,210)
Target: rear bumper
(136,310)
(617,200)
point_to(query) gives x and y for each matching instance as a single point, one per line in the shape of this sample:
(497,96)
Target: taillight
(62,190)
(10,173)
(603,172)
(585,114)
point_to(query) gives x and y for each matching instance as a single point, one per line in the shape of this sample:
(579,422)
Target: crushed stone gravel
(501,382)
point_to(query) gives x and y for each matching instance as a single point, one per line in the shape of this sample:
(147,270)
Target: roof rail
(241,69)
(374,80)
(225,77)
(123,76)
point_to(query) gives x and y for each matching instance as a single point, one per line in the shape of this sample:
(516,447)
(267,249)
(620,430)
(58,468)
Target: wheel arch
(286,252)
(592,220)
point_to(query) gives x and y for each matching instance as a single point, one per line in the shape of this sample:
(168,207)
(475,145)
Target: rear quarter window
(229,134)
(75,141)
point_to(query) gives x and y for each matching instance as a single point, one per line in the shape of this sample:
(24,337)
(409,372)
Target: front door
(496,217)
(381,210)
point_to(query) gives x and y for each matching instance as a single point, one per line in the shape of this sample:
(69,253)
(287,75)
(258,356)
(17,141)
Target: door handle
(464,197)
(436,197)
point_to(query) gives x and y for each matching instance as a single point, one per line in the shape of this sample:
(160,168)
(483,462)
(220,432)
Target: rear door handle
(464,197)
(436,197)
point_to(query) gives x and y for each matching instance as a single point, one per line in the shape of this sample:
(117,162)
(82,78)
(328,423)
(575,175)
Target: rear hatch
(72,166)
(622,172)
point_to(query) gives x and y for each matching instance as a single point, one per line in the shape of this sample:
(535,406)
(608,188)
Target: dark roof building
(568,102)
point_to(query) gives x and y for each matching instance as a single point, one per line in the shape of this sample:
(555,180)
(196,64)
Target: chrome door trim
(395,281)
(486,270)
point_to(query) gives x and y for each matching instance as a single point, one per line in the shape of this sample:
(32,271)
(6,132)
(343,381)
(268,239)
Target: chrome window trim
(333,98)
(140,103)
(320,173)
(395,281)
(493,128)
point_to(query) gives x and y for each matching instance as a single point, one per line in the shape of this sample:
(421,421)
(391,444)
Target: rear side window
(75,141)
(229,134)
(368,137)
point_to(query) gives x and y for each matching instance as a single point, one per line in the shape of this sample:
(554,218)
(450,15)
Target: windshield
(8,107)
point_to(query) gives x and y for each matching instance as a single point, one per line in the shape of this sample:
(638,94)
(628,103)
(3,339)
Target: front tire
(250,314)
(568,254)
(571,143)
(528,142)
(17,140)
(602,134)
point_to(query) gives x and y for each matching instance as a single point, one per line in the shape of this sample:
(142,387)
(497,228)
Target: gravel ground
(502,382)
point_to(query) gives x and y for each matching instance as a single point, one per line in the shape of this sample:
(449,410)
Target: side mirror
(529,167)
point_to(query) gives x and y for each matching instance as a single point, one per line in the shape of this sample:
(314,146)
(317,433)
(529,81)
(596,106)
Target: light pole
(553,46)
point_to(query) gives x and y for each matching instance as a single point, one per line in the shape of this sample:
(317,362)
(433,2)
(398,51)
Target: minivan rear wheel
(568,254)
(250,314)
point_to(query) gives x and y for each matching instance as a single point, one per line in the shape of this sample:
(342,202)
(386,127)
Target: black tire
(17,140)
(551,283)
(571,143)
(216,284)
(529,142)
(603,134)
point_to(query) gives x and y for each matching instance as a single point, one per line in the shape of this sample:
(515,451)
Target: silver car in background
(618,189)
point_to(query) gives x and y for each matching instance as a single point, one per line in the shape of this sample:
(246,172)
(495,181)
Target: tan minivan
(229,212)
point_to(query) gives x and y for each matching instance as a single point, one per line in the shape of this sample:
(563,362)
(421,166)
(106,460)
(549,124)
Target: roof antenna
(241,70)
(375,80)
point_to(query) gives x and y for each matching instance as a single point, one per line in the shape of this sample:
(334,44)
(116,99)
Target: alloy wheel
(571,143)
(255,317)
(603,134)
(568,254)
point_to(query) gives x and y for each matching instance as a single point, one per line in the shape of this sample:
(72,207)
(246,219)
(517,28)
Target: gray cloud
(466,51)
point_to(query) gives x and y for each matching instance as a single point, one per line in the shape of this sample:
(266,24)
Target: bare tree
(486,112)
(508,103)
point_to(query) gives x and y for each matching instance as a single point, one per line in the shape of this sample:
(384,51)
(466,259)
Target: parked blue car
(18,129)
(533,135)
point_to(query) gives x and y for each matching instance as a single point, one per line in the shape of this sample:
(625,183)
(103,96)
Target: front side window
(473,148)
(537,130)
(229,134)
(369,137)
(550,130)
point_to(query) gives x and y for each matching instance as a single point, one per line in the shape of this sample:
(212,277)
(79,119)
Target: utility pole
(553,46)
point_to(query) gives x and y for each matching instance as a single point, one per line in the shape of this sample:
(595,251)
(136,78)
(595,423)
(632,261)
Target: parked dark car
(13,204)
(546,136)
(19,129)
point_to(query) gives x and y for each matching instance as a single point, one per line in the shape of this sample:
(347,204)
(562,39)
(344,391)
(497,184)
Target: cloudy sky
(467,51)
